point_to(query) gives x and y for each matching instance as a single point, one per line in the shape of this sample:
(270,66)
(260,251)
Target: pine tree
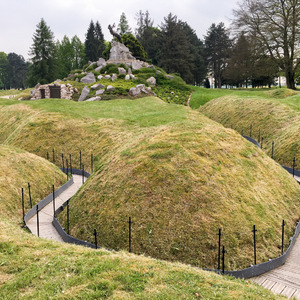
(123,27)
(4,78)
(43,50)
(17,70)
(217,51)
(94,42)
(175,48)
(66,57)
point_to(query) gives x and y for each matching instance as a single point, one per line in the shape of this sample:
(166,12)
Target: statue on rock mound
(114,33)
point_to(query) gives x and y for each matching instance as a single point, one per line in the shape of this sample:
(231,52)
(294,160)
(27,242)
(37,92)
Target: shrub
(109,69)
(121,76)
(92,67)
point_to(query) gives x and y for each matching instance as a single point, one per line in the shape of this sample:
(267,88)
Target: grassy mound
(277,119)
(34,268)
(179,175)
(18,169)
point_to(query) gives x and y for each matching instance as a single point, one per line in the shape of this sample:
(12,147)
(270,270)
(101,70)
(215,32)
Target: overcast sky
(72,17)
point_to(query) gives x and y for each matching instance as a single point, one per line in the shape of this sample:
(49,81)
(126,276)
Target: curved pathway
(46,229)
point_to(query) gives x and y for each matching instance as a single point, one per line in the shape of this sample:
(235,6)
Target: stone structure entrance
(56,90)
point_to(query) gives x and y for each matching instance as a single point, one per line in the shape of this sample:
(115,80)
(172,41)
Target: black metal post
(254,243)
(53,199)
(262,141)
(29,192)
(53,156)
(223,259)
(63,163)
(95,234)
(68,217)
(71,164)
(80,159)
(272,155)
(67,169)
(251,130)
(129,236)
(259,135)
(294,166)
(23,205)
(37,220)
(82,174)
(92,163)
(47,155)
(282,237)
(219,249)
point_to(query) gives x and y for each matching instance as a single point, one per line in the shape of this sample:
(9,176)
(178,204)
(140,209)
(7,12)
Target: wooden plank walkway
(284,280)
(46,229)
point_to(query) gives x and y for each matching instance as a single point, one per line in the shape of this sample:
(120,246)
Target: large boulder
(85,92)
(89,78)
(119,53)
(134,92)
(114,77)
(110,88)
(151,81)
(100,92)
(101,62)
(136,65)
(97,86)
(93,99)
(122,71)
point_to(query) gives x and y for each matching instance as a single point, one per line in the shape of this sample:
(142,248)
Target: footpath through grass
(178,174)
(35,268)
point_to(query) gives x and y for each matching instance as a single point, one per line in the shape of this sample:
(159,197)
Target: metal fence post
(96,234)
(71,164)
(29,192)
(129,235)
(63,163)
(259,135)
(219,249)
(53,199)
(53,156)
(80,159)
(251,130)
(294,166)
(92,163)
(47,155)
(272,155)
(67,169)
(282,237)
(23,206)
(68,217)
(37,220)
(223,259)
(262,141)
(82,174)
(254,243)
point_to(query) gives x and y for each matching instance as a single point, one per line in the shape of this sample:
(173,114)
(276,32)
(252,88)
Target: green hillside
(277,118)
(34,268)
(179,175)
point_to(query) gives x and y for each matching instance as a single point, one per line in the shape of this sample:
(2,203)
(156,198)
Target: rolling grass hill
(34,268)
(179,175)
(277,117)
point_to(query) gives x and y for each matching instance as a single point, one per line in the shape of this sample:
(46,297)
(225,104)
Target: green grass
(35,268)
(201,95)
(178,174)
(277,119)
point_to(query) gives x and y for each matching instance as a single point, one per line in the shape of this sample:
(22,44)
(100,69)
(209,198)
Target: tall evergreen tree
(43,49)
(175,56)
(123,26)
(217,51)
(4,77)
(94,42)
(148,35)
(17,69)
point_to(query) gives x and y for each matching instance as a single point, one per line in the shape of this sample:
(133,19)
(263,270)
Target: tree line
(261,44)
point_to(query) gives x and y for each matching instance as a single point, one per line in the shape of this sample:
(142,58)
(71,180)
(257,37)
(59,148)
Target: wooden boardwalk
(46,229)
